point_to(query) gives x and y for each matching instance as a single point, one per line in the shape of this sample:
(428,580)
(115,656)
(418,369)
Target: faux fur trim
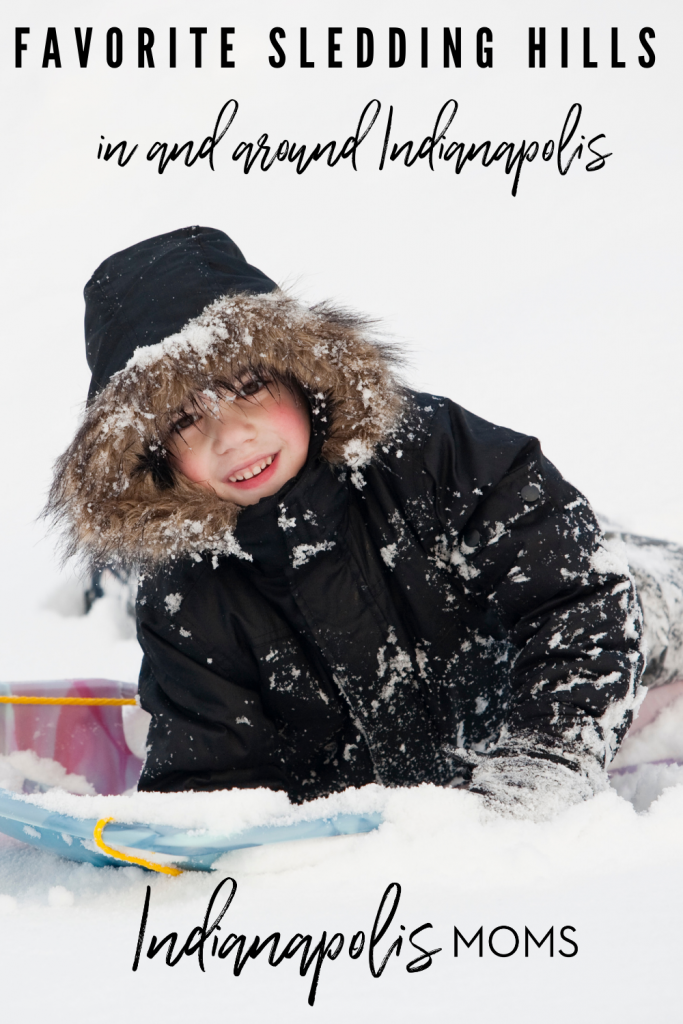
(113,513)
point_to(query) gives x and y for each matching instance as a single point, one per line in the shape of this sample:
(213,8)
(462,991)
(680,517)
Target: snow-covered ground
(600,874)
(604,875)
(556,313)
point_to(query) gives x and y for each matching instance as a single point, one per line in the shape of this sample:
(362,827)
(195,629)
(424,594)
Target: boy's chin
(251,497)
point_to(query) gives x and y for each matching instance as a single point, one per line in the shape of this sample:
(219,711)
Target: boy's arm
(206,731)
(568,605)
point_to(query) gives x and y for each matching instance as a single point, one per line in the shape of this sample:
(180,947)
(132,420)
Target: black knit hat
(146,293)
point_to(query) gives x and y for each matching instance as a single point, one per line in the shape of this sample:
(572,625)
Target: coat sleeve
(206,732)
(527,548)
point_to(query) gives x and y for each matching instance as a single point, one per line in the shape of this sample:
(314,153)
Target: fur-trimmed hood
(110,506)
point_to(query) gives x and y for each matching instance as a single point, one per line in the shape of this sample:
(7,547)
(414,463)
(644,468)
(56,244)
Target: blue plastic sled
(90,741)
(165,845)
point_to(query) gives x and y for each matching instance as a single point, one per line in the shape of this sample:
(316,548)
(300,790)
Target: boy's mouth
(254,474)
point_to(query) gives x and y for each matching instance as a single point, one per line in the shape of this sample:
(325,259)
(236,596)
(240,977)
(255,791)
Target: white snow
(284,522)
(388,554)
(135,726)
(173,603)
(597,862)
(357,453)
(302,552)
(25,764)
(660,740)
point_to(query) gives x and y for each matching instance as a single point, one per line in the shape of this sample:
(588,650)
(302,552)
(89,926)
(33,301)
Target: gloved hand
(520,786)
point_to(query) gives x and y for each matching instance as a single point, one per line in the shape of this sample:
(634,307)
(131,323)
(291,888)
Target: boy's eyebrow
(195,403)
(225,391)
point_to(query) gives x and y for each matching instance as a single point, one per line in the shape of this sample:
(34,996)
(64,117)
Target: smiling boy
(341,581)
(246,447)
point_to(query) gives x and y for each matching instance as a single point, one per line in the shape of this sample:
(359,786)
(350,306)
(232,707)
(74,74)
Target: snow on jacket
(428,600)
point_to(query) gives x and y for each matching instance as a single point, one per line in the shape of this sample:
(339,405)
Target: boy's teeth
(254,470)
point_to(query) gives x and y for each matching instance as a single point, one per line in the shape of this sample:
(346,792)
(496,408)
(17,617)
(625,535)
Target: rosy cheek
(190,465)
(291,423)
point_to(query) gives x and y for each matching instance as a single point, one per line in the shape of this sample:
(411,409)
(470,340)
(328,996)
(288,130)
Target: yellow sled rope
(92,701)
(99,841)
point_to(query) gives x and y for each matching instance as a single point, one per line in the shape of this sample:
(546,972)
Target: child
(341,581)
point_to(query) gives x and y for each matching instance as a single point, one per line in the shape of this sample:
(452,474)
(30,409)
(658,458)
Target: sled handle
(87,701)
(111,852)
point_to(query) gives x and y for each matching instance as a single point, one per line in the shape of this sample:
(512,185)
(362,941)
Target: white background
(555,312)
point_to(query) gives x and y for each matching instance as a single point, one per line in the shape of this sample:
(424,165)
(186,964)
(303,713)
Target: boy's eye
(186,420)
(250,387)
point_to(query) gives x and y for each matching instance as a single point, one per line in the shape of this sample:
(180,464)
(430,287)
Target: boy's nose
(230,429)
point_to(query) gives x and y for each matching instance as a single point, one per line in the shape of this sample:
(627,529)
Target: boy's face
(244,447)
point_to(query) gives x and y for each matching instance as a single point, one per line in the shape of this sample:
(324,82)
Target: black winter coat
(429,599)
(392,623)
